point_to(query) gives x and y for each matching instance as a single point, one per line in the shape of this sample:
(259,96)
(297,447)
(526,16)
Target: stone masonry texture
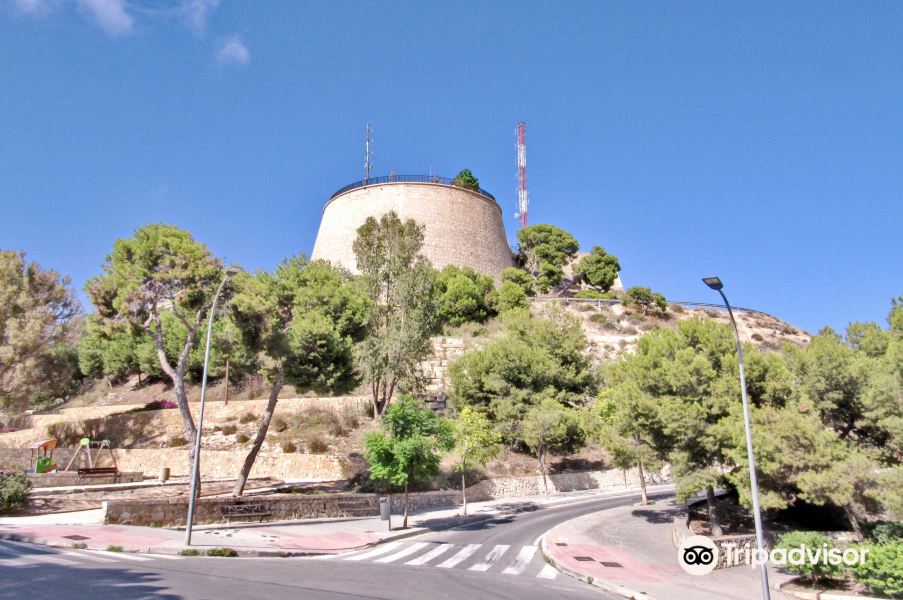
(463,228)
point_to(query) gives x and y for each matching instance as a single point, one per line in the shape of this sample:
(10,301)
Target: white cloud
(195,13)
(34,8)
(109,14)
(233,50)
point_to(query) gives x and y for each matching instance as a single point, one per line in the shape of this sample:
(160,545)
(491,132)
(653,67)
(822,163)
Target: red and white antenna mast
(368,141)
(522,200)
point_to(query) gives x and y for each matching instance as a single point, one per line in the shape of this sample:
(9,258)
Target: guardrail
(409,179)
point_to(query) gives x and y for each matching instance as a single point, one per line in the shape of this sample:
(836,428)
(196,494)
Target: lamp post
(715,284)
(195,467)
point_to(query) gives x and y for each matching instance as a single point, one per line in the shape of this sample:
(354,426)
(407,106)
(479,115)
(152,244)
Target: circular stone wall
(462,227)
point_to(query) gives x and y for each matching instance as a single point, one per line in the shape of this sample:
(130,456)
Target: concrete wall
(514,487)
(463,227)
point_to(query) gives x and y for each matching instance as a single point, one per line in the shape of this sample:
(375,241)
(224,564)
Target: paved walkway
(273,538)
(628,550)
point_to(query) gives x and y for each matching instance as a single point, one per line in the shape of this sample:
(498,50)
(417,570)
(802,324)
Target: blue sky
(758,141)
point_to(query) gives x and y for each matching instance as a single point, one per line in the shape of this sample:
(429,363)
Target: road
(496,559)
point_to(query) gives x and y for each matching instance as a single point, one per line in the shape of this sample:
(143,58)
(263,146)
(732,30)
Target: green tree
(476,442)
(38,327)
(400,284)
(408,449)
(550,426)
(509,296)
(14,488)
(159,271)
(544,250)
(628,424)
(466,179)
(535,358)
(520,278)
(302,322)
(645,300)
(463,295)
(868,338)
(598,269)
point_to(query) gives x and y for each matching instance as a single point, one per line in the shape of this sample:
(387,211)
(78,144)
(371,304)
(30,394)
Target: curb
(608,587)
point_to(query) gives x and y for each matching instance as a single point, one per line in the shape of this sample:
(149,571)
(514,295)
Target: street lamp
(195,468)
(715,284)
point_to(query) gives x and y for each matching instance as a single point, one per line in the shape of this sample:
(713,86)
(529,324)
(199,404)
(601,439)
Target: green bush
(809,539)
(466,179)
(882,571)
(595,294)
(115,549)
(189,552)
(645,299)
(599,319)
(288,447)
(14,488)
(885,531)
(226,552)
(509,296)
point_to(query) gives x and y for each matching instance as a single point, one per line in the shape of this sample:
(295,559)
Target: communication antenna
(368,142)
(522,199)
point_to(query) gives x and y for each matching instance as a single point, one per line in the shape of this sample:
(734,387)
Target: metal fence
(613,301)
(409,179)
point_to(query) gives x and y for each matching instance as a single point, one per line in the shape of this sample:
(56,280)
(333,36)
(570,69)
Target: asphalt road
(494,559)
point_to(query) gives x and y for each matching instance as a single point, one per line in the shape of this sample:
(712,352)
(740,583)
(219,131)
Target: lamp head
(233,270)
(713,282)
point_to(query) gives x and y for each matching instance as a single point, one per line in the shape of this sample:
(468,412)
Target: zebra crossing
(20,554)
(526,561)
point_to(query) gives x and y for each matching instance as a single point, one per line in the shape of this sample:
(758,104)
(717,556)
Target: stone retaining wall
(214,463)
(514,487)
(171,512)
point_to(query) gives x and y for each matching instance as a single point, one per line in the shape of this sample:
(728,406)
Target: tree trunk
(542,467)
(226,395)
(639,466)
(261,435)
(464,491)
(713,513)
(404,522)
(850,512)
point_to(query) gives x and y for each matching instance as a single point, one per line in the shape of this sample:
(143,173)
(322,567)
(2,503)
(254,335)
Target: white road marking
(12,562)
(548,572)
(425,558)
(407,551)
(523,559)
(89,556)
(494,555)
(371,553)
(122,555)
(459,557)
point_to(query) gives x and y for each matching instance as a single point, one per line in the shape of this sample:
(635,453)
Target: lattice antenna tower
(523,201)
(368,151)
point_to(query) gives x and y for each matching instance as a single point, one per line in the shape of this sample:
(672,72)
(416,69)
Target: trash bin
(383,508)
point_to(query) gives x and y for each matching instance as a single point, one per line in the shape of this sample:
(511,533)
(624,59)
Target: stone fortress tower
(463,227)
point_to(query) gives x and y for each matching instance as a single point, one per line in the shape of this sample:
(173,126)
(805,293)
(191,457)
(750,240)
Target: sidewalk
(628,551)
(265,539)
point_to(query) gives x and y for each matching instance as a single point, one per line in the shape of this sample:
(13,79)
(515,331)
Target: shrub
(677,308)
(813,540)
(279,425)
(317,445)
(465,179)
(885,531)
(79,546)
(229,429)
(189,552)
(599,319)
(13,490)
(757,337)
(114,549)
(595,294)
(176,441)
(241,438)
(288,447)
(156,405)
(882,571)
(509,296)
(248,417)
(225,552)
